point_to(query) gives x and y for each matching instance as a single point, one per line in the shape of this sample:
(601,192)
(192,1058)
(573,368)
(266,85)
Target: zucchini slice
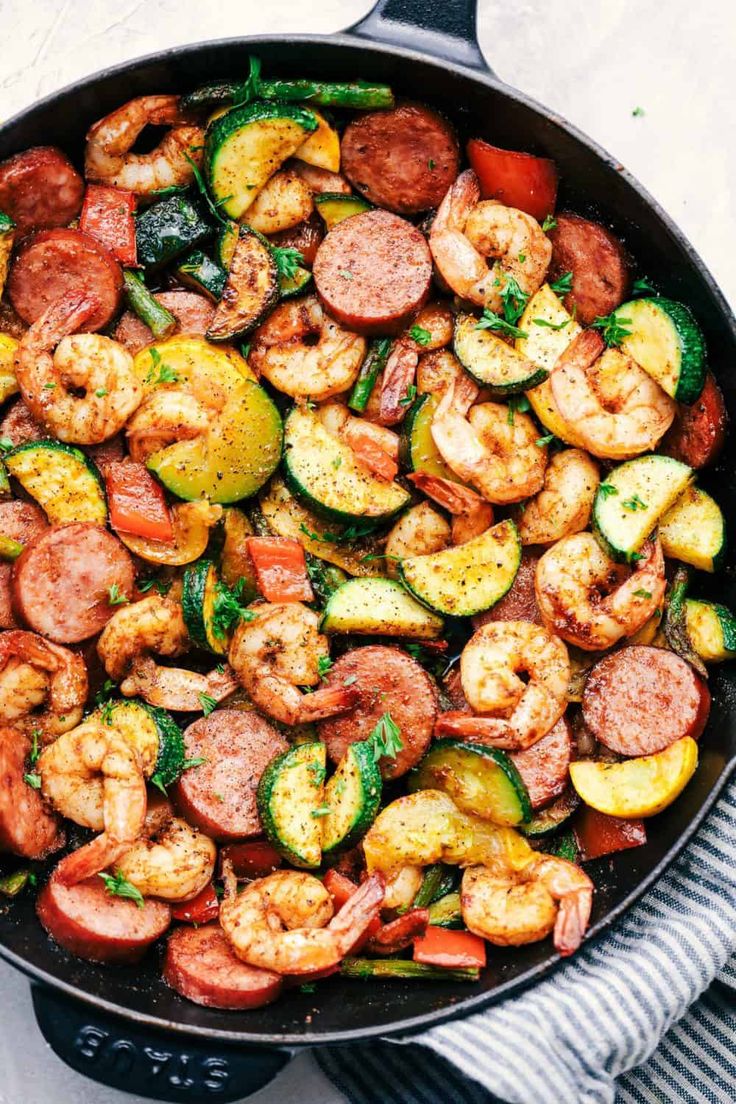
(550,819)
(336,206)
(480,780)
(236,565)
(8,345)
(352,796)
(234,459)
(201,273)
(7,237)
(492,362)
(290,286)
(62,479)
(447,912)
(203,368)
(199,591)
(323,471)
(694,530)
(380,607)
(290,803)
(244,147)
(631,500)
(152,732)
(169,228)
(467,579)
(712,630)
(250,290)
(418,451)
(227,239)
(667,342)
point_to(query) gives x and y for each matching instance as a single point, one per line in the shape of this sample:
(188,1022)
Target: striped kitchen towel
(603,1013)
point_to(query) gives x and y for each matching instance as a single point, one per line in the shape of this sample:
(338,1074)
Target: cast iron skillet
(125,1027)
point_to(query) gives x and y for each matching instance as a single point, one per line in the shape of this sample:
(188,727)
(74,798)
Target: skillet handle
(137,1059)
(444,28)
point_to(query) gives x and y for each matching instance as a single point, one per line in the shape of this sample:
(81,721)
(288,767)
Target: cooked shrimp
(511,908)
(588,599)
(108,158)
(155,624)
(279,651)
(437,370)
(375,447)
(466,233)
(285,922)
(95,778)
(564,504)
(34,672)
(402,886)
(175,687)
(285,351)
(164,417)
(514,714)
(174,861)
(617,409)
(472,515)
(283,202)
(431,330)
(50,381)
(418,532)
(492,447)
(320,180)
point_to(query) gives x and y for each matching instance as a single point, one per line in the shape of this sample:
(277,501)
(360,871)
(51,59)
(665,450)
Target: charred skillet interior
(591,184)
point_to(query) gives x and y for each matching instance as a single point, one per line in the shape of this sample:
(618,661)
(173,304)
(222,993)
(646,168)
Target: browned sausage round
(107,452)
(27,828)
(55,264)
(40,188)
(19,425)
(220,795)
(545,766)
(404,159)
(62,581)
(10,322)
(193,314)
(520,601)
(698,432)
(7,616)
(640,700)
(388,681)
(22,521)
(93,924)
(598,262)
(305,236)
(373,272)
(201,965)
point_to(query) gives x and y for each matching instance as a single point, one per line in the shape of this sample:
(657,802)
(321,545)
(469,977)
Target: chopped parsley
(492,321)
(199,180)
(420,335)
(385,739)
(634,503)
(208,704)
(288,261)
(337,462)
(324,663)
(101,392)
(551,325)
(563,285)
(514,300)
(33,780)
(409,397)
(642,287)
(118,886)
(321,811)
(346,275)
(431,164)
(350,680)
(308,987)
(198,760)
(106,711)
(638,112)
(517,404)
(6,444)
(115,598)
(35,747)
(227,609)
(642,594)
(317,772)
(613,329)
(542,441)
(161,585)
(245,350)
(549,223)
(607,489)
(159,372)
(49,386)
(521,258)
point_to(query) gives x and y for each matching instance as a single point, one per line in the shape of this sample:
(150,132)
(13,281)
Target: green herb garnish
(118,886)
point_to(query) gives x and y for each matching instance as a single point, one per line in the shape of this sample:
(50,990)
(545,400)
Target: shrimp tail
(328,701)
(494,731)
(453,497)
(360,909)
(89,860)
(398,375)
(572,921)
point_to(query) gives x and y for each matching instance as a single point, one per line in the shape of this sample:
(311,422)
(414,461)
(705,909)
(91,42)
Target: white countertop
(590,60)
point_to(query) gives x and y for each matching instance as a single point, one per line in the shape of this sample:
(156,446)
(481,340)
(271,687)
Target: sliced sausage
(219,796)
(27,828)
(598,262)
(387,681)
(193,314)
(7,616)
(62,581)
(305,236)
(545,766)
(10,323)
(520,601)
(93,924)
(404,159)
(55,264)
(40,189)
(108,452)
(201,966)
(19,426)
(373,271)
(640,700)
(22,521)
(698,432)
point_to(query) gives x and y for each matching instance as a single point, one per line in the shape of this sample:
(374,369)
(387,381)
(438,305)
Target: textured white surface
(594,61)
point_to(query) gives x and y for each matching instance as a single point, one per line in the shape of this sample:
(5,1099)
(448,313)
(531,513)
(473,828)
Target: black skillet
(125,1027)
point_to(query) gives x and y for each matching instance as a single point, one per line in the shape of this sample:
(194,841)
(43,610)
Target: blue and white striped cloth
(622,1009)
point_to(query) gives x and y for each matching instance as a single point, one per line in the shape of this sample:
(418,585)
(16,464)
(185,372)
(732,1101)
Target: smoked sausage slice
(545,766)
(193,314)
(639,700)
(219,796)
(56,264)
(19,425)
(306,236)
(598,262)
(387,680)
(27,828)
(23,522)
(201,966)
(373,271)
(698,432)
(40,189)
(404,159)
(93,924)
(62,581)
(520,601)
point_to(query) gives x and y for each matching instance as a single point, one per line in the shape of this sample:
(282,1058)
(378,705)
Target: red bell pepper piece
(600,834)
(254,859)
(516,179)
(107,215)
(281,569)
(136,501)
(452,949)
(370,454)
(201,909)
